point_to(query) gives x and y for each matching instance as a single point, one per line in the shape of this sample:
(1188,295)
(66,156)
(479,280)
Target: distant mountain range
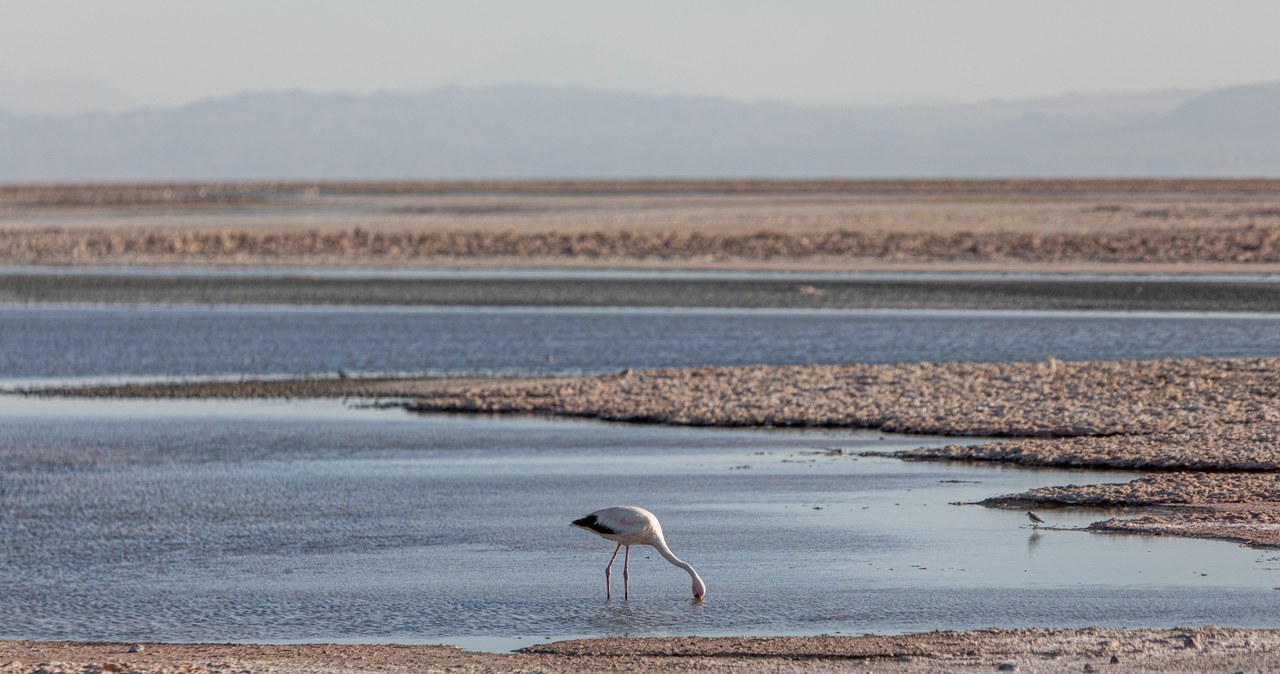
(545,132)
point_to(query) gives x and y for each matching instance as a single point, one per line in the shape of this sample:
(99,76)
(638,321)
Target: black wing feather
(590,522)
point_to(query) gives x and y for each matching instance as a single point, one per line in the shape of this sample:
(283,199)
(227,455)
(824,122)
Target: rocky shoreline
(1167,415)
(1211,427)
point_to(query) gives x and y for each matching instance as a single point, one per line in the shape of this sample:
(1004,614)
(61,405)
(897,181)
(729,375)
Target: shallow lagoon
(312,521)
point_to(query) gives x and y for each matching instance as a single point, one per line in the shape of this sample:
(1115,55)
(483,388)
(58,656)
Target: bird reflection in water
(1033,541)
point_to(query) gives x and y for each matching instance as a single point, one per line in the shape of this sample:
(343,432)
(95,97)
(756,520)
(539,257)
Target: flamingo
(629,525)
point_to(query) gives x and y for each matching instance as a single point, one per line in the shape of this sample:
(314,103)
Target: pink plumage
(628,526)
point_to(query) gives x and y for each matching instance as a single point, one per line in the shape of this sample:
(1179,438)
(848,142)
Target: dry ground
(1162,225)
(1031,650)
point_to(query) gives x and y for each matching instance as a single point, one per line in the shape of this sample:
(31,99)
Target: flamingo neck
(700,588)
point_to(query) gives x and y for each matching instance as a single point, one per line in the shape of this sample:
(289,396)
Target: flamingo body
(628,526)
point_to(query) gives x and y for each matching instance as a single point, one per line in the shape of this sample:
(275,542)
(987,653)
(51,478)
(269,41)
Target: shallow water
(54,342)
(273,521)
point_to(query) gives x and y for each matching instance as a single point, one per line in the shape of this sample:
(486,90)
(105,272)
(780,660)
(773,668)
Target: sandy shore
(1032,650)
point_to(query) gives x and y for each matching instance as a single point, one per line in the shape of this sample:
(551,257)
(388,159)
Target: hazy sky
(162,52)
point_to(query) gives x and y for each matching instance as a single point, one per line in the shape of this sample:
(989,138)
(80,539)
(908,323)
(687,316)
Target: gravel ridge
(1220,415)
(1211,427)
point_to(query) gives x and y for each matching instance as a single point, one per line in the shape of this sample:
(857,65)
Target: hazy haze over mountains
(548,131)
(59,94)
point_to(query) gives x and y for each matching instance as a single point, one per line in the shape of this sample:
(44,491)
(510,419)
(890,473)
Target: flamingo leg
(608,590)
(626,574)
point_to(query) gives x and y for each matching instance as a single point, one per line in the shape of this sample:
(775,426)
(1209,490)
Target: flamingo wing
(628,525)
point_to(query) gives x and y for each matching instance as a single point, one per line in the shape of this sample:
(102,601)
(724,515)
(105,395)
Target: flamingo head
(699,588)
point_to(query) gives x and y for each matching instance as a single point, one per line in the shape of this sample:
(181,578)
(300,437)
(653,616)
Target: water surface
(272,521)
(58,342)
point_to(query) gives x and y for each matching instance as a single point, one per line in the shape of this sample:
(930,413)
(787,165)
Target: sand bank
(1030,650)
